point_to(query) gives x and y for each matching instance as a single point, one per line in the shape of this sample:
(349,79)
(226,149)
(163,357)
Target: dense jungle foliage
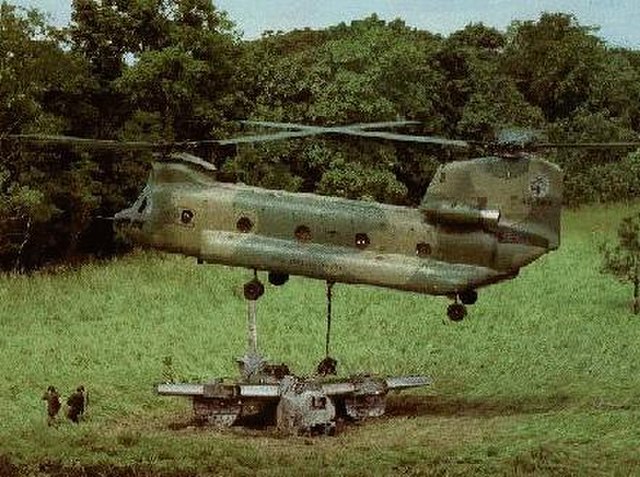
(173,70)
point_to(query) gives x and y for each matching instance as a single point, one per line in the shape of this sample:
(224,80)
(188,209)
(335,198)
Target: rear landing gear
(468,297)
(278,279)
(456,311)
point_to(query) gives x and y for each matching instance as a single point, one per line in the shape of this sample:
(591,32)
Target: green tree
(153,70)
(37,73)
(623,259)
(186,75)
(481,97)
(370,70)
(554,62)
(616,90)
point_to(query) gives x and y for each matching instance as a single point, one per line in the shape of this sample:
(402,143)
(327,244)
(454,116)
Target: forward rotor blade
(278,125)
(119,145)
(262,137)
(382,125)
(299,131)
(44,139)
(305,127)
(359,130)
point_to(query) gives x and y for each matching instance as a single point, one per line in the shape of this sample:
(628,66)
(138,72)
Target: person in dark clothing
(76,403)
(53,404)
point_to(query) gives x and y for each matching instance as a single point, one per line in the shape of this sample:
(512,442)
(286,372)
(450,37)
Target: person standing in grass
(53,404)
(76,403)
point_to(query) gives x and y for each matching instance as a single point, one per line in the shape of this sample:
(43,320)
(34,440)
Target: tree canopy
(175,70)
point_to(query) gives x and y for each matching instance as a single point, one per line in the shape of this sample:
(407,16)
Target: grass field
(542,378)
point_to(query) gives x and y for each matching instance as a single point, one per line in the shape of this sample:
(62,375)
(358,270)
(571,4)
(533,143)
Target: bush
(613,182)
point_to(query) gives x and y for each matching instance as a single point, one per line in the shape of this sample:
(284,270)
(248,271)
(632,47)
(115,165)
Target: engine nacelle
(454,214)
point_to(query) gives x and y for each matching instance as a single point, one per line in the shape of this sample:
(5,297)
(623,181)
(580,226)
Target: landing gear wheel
(253,289)
(468,297)
(278,279)
(456,311)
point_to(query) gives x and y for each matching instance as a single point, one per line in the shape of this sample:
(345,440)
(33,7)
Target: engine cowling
(454,214)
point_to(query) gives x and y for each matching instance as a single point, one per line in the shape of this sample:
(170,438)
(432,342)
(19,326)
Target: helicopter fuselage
(186,211)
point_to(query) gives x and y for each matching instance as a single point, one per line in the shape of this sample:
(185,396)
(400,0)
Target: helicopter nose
(127,220)
(122,218)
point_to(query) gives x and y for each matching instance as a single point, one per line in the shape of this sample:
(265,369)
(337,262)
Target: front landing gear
(456,311)
(252,363)
(253,289)
(468,297)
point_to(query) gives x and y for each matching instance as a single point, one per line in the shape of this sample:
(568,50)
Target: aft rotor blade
(588,145)
(279,125)
(402,137)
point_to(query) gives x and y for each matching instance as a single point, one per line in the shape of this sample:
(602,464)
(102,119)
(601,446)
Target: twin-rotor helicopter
(479,223)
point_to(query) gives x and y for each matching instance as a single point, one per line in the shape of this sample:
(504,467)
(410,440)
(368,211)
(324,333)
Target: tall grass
(542,377)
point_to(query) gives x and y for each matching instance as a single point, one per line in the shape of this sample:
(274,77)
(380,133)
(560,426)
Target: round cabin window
(362,241)
(423,249)
(244,225)
(303,233)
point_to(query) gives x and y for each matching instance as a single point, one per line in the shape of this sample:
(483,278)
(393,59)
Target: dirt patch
(7,469)
(57,469)
(417,405)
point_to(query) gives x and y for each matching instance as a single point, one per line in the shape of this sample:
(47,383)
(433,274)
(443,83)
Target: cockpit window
(143,205)
(143,202)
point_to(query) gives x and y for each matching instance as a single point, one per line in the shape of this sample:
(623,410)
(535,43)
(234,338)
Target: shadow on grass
(7,468)
(263,421)
(407,406)
(417,405)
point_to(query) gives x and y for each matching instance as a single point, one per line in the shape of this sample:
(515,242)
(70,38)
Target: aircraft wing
(269,391)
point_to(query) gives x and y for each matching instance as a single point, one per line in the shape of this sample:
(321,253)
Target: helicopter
(479,222)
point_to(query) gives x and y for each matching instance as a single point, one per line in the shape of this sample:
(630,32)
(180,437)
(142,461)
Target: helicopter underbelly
(342,264)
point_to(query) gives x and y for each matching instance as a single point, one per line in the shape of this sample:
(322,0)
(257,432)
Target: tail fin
(522,196)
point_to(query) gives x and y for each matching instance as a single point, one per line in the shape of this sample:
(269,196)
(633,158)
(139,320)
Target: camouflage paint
(480,221)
